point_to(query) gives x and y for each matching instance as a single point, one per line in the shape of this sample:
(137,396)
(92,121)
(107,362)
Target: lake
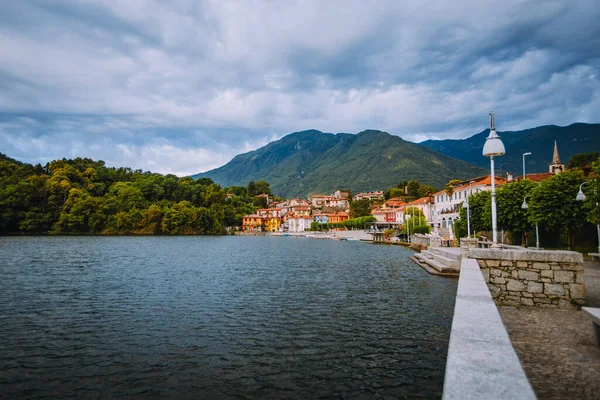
(219,317)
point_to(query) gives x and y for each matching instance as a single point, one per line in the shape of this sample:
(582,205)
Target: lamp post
(524,206)
(581,197)
(525,154)
(493,147)
(466,205)
(407,228)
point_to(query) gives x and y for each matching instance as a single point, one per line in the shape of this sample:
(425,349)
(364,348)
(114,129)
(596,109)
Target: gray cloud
(183,86)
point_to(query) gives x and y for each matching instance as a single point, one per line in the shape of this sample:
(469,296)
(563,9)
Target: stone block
(493,263)
(539,295)
(526,302)
(579,277)
(547,274)
(553,289)
(572,267)
(535,287)
(541,301)
(546,280)
(486,274)
(514,285)
(482,264)
(506,263)
(514,275)
(496,272)
(499,280)
(563,276)
(540,265)
(528,275)
(514,299)
(494,291)
(522,264)
(526,294)
(577,290)
(564,303)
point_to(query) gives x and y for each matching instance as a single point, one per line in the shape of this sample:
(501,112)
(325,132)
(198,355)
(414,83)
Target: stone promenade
(557,346)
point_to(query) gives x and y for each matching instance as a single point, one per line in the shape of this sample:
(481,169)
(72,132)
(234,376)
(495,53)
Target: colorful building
(252,223)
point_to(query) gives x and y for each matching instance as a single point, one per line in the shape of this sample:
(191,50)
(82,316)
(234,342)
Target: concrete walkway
(557,347)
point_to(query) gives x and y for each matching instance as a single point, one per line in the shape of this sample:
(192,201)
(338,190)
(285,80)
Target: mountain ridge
(306,162)
(572,139)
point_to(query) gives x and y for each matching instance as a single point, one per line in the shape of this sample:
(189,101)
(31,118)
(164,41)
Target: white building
(298,224)
(447,208)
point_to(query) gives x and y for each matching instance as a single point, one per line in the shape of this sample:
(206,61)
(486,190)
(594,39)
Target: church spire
(556,157)
(556,167)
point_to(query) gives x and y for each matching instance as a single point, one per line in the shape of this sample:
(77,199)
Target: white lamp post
(493,147)
(525,154)
(466,205)
(524,206)
(581,197)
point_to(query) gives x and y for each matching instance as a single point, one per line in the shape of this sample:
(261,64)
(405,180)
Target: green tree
(583,159)
(554,208)
(450,186)
(511,217)
(480,206)
(360,208)
(413,188)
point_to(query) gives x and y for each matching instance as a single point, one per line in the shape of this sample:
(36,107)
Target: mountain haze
(309,162)
(571,140)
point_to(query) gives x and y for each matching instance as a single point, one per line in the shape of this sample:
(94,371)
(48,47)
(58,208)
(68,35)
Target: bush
(421,229)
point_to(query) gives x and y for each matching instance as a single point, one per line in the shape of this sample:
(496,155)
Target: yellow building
(272,224)
(252,223)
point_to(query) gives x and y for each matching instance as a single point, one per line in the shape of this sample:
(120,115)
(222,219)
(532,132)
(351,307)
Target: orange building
(252,223)
(338,217)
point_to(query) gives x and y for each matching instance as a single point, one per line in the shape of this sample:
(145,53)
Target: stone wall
(532,277)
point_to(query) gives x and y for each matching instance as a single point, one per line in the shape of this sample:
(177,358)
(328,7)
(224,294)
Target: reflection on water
(218,317)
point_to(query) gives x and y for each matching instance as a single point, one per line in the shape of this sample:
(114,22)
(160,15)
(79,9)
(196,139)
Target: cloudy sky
(183,86)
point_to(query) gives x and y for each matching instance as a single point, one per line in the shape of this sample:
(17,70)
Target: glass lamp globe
(493,145)
(580,196)
(524,206)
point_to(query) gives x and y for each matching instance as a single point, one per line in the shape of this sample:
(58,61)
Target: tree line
(83,196)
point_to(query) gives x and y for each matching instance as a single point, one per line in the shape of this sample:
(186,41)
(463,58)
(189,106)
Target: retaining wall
(532,277)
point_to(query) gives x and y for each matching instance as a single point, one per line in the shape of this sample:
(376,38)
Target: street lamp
(524,206)
(581,197)
(466,205)
(525,154)
(493,147)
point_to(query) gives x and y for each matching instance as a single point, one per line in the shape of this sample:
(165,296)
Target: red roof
(542,176)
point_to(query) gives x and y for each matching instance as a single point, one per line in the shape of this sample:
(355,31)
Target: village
(438,211)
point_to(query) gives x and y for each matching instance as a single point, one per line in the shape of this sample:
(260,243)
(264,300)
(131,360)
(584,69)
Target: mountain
(309,162)
(571,140)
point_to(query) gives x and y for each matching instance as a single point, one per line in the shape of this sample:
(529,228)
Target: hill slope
(309,162)
(571,140)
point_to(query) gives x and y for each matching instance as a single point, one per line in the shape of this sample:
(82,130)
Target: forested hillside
(309,162)
(83,196)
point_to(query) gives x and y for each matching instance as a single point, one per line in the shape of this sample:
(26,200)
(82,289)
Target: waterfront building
(321,218)
(426,205)
(252,223)
(272,224)
(297,224)
(447,207)
(338,217)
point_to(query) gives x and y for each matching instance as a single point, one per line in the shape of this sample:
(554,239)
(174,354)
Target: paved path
(557,347)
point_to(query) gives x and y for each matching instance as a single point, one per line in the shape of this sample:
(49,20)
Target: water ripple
(218,317)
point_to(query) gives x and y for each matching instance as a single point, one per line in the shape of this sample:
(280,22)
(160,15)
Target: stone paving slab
(557,347)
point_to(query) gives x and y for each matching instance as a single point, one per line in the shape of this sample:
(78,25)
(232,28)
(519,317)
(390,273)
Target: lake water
(219,317)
